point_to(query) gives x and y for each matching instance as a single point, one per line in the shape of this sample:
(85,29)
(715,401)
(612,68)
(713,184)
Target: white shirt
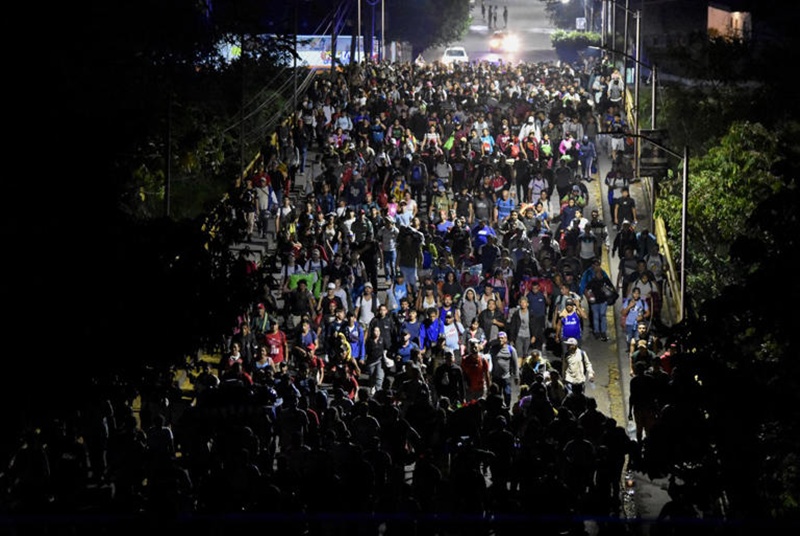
(576,368)
(366,312)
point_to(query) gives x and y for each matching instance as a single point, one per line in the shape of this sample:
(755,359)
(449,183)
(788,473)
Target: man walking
(576,368)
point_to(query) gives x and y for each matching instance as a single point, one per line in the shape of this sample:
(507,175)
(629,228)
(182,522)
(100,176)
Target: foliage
(745,341)
(574,39)
(725,186)
(427,23)
(138,289)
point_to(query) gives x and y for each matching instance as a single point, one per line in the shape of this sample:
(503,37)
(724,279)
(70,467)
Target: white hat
(331,286)
(572,340)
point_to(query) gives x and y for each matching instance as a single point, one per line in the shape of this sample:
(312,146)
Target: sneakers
(604,337)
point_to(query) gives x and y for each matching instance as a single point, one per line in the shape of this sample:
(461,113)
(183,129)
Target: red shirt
(475,370)
(277,345)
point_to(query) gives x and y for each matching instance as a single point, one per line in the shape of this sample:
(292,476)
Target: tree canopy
(726,184)
(427,23)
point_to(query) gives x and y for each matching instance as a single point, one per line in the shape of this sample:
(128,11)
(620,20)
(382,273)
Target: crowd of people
(438,277)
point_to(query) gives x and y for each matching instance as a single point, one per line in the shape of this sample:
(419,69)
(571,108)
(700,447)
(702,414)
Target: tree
(742,352)
(427,23)
(127,287)
(725,187)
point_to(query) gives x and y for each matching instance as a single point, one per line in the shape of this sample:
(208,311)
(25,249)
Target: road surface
(526,18)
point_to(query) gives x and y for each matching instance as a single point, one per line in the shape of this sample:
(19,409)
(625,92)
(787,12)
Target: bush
(574,39)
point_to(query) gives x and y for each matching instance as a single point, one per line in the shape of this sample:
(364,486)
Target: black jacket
(514,324)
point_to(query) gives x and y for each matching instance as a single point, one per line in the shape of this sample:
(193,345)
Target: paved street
(526,19)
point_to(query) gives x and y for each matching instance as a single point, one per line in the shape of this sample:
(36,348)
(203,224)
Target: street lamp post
(684,218)
(638,63)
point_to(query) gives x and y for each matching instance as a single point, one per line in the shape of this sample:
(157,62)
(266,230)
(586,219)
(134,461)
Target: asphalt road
(526,19)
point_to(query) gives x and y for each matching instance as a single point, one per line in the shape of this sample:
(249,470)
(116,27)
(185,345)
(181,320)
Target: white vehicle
(455,55)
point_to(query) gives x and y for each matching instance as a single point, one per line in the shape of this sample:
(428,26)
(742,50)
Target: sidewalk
(643,498)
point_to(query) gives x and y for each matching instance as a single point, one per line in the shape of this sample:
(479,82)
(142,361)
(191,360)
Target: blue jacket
(356,340)
(429,333)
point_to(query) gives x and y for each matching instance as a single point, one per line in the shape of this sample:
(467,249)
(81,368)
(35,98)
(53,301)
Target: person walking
(505,366)
(476,372)
(569,323)
(588,155)
(375,350)
(576,369)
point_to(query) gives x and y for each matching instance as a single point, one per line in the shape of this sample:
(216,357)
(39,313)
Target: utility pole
(684,218)
(168,178)
(294,74)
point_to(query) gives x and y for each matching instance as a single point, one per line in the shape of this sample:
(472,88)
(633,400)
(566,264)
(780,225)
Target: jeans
(505,388)
(410,273)
(303,154)
(376,375)
(599,322)
(586,164)
(390,263)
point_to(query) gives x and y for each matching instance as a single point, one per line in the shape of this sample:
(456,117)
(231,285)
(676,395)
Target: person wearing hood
(587,155)
(470,307)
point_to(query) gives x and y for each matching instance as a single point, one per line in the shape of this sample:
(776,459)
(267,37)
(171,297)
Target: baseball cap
(331,286)
(367,285)
(572,340)
(261,306)
(570,301)
(502,334)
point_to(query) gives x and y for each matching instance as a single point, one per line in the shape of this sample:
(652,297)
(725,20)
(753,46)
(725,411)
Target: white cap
(572,340)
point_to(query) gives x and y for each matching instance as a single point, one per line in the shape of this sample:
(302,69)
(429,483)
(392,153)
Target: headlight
(511,43)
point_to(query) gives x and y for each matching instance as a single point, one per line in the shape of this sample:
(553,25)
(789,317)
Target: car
(503,41)
(455,55)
